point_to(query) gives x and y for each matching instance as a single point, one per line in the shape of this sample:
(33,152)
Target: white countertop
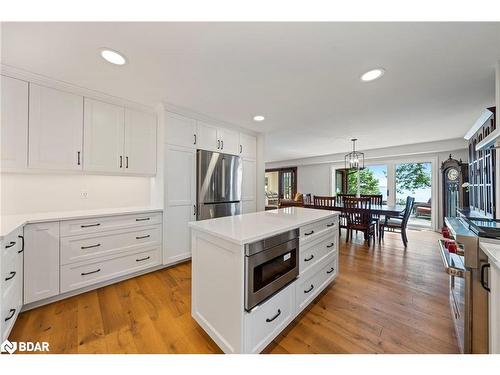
(251,227)
(11,222)
(492,250)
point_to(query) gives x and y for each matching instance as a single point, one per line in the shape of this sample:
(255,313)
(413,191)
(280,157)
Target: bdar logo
(8,347)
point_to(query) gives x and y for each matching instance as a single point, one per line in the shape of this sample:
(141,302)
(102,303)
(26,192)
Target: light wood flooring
(385,300)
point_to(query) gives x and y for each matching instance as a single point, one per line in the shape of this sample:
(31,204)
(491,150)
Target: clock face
(452,174)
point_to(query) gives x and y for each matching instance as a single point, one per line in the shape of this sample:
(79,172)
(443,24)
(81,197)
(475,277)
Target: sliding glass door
(372,181)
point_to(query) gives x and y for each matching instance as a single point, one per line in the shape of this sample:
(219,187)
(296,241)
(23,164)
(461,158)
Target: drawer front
(311,255)
(80,275)
(12,244)
(264,322)
(12,295)
(314,281)
(309,231)
(102,224)
(90,246)
(11,274)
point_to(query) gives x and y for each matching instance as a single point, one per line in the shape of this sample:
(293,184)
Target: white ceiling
(303,77)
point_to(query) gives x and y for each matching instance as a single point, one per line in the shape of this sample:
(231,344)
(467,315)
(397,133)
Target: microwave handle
(484,284)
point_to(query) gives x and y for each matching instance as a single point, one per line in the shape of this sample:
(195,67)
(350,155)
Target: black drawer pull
(22,244)
(12,312)
(90,225)
(142,237)
(143,219)
(269,320)
(142,259)
(331,270)
(330,225)
(308,234)
(308,259)
(308,290)
(12,243)
(91,246)
(329,245)
(91,272)
(12,274)
(484,284)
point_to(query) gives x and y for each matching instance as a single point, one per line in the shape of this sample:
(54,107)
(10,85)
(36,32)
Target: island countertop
(251,227)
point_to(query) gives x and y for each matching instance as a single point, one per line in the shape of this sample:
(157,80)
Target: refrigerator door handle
(484,284)
(223,191)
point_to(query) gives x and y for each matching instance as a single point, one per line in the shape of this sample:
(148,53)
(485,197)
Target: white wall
(314,179)
(32,193)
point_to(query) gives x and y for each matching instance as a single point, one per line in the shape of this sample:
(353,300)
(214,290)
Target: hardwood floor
(385,300)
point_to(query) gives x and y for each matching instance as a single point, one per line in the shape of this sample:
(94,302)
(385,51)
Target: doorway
(280,184)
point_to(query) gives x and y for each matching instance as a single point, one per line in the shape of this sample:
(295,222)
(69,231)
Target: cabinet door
(248,146)
(41,261)
(140,142)
(14,130)
(180,130)
(180,201)
(229,141)
(494,307)
(55,129)
(103,128)
(207,137)
(248,188)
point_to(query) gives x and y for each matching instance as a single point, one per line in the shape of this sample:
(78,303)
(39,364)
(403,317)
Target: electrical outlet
(84,194)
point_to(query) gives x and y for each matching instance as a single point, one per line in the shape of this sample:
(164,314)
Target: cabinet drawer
(311,283)
(75,276)
(11,303)
(264,322)
(309,231)
(90,246)
(11,272)
(102,224)
(12,244)
(311,255)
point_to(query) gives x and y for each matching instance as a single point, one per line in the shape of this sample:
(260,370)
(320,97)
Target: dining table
(376,209)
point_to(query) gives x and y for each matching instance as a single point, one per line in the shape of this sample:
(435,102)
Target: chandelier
(354,159)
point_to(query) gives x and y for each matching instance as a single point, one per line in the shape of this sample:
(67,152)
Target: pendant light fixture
(354,159)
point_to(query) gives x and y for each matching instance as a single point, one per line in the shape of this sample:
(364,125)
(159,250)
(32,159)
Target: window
(280,184)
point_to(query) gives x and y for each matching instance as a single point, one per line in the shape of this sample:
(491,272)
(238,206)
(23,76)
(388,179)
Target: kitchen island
(252,274)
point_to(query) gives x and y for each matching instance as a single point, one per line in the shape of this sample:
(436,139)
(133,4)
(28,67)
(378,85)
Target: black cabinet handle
(329,245)
(91,246)
(308,290)
(121,161)
(308,259)
(78,158)
(222,145)
(89,225)
(218,144)
(330,225)
(126,161)
(269,320)
(194,209)
(91,272)
(194,139)
(142,259)
(12,243)
(308,234)
(143,219)
(241,149)
(22,244)
(11,314)
(12,274)
(142,237)
(483,281)
(331,270)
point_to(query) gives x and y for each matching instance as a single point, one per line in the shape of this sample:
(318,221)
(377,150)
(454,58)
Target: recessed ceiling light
(373,75)
(258,118)
(113,57)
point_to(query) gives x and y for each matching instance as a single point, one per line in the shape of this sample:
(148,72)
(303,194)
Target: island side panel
(217,289)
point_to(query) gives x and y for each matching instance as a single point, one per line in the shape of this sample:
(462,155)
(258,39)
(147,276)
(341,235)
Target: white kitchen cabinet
(229,141)
(180,202)
(14,130)
(41,261)
(494,308)
(207,137)
(55,129)
(248,146)
(103,133)
(180,130)
(139,142)
(248,186)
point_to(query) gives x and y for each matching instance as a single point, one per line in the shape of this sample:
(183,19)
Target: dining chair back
(359,216)
(324,201)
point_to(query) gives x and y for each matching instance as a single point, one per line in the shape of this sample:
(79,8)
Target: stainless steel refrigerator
(219,185)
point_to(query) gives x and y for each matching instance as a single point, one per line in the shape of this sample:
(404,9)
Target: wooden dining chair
(400,223)
(376,200)
(339,199)
(359,217)
(324,201)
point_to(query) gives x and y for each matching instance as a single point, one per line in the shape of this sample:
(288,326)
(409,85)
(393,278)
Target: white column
(261,173)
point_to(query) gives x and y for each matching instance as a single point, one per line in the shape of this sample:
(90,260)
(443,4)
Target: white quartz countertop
(10,223)
(251,227)
(492,250)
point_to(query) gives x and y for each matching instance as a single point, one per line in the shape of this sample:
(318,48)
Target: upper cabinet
(207,137)
(180,130)
(229,141)
(140,142)
(14,130)
(103,128)
(248,146)
(55,129)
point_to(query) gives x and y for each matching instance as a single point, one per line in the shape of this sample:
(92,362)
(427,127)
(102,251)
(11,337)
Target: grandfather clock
(455,173)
